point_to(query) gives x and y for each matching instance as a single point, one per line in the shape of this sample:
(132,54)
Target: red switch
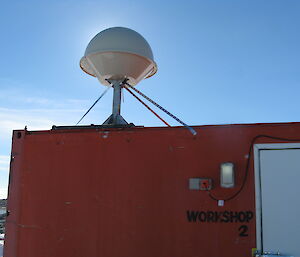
(205,184)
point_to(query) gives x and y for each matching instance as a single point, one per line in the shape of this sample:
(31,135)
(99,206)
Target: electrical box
(200,184)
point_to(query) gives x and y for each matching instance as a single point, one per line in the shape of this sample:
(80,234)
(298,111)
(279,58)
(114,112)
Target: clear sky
(226,61)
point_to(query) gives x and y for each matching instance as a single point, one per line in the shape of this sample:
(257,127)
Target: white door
(277,174)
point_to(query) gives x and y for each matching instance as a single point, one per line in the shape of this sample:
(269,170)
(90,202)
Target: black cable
(142,102)
(161,108)
(248,164)
(93,105)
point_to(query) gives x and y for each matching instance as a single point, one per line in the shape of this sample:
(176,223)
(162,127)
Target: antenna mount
(115,118)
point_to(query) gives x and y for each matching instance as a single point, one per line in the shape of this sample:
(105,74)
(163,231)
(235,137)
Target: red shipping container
(124,192)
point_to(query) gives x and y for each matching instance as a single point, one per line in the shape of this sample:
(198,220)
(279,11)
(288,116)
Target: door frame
(257,178)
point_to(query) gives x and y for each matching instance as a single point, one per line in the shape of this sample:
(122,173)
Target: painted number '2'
(243,230)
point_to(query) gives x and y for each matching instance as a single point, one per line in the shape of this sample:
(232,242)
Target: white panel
(194,183)
(279,173)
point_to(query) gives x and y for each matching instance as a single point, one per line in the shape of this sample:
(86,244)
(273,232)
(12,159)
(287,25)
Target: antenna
(114,55)
(120,58)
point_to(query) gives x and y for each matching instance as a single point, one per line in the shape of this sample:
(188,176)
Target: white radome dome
(119,53)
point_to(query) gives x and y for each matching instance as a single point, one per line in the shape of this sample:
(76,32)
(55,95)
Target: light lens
(227,175)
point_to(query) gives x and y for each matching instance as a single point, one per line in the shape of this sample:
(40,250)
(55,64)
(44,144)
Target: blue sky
(218,62)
